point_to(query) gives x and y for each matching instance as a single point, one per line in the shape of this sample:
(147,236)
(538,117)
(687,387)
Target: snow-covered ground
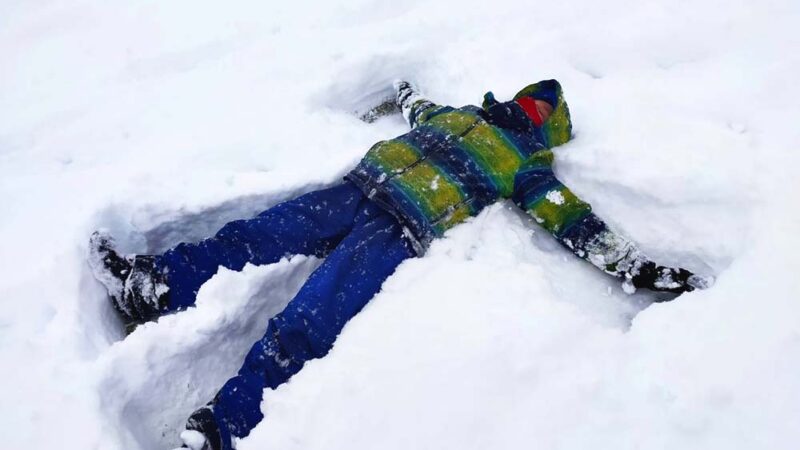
(163,120)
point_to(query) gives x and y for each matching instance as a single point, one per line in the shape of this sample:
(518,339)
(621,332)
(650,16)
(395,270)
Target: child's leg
(351,275)
(311,224)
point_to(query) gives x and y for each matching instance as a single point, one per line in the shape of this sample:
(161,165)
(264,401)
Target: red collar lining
(528,105)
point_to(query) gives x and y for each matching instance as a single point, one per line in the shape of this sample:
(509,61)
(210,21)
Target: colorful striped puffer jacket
(456,161)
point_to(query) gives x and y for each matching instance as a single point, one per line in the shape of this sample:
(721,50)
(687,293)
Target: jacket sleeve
(571,221)
(415,107)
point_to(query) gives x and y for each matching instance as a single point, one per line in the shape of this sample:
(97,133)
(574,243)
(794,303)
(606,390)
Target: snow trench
(156,377)
(151,380)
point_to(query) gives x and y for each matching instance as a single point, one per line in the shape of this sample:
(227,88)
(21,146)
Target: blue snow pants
(362,245)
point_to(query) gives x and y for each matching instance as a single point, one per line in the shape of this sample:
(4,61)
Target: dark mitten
(666,279)
(410,101)
(405,93)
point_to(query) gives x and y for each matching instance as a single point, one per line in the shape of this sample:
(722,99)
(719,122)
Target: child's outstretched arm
(415,107)
(571,221)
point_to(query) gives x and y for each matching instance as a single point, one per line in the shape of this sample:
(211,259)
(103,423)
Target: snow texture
(555,197)
(163,120)
(193,439)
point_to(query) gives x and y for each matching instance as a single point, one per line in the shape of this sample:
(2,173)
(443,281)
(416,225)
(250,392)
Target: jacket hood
(557,129)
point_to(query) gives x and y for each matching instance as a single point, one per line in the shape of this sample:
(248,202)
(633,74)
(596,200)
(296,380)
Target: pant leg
(311,224)
(350,276)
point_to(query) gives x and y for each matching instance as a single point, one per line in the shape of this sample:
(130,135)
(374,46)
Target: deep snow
(163,120)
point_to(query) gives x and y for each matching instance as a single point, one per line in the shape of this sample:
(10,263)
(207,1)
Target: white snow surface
(163,120)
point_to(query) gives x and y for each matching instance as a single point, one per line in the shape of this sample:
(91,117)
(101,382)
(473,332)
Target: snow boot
(138,292)
(203,433)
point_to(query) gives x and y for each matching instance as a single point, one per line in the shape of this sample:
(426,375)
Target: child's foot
(203,433)
(194,440)
(137,292)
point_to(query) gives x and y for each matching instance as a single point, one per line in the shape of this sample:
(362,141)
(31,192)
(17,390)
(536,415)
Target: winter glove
(666,279)
(410,101)
(405,91)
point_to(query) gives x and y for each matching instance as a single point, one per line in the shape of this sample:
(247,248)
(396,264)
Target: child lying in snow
(403,194)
